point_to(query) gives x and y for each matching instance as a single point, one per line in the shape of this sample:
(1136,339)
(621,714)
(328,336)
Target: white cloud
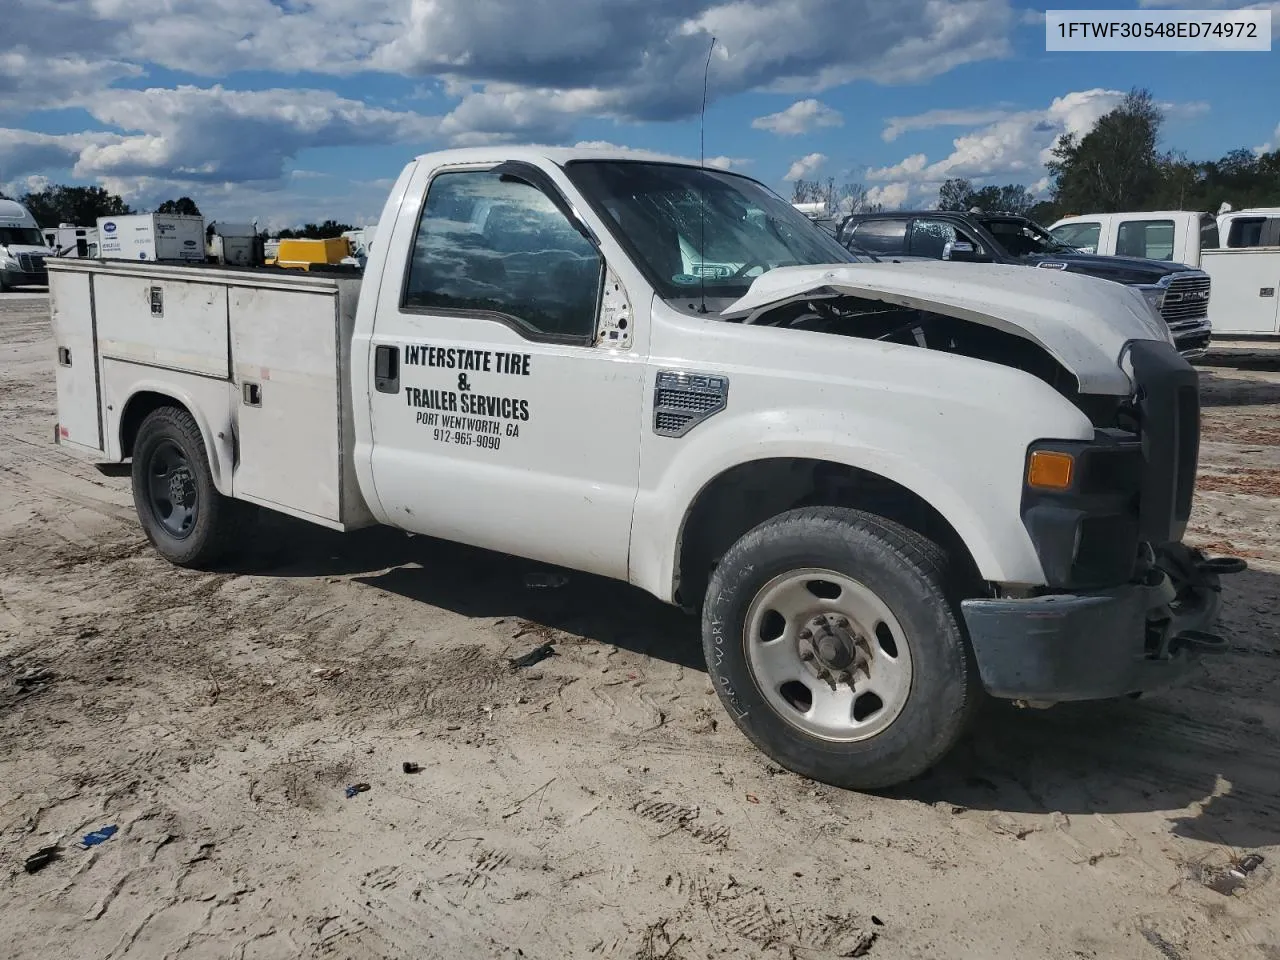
(24,152)
(30,184)
(218,135)
(1017,144)
(801,117)
(639,153)
(31,82)
(805,166)
(890,195)
(896,126)
(1272,144)
(517,69)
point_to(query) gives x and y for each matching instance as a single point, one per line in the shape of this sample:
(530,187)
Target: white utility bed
(260,357)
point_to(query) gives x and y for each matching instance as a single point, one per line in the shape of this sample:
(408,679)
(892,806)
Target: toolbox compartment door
(71,305)
(285,347)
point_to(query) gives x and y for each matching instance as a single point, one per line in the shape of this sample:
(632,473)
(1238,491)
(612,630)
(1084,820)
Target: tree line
(83,206)
(1115,167)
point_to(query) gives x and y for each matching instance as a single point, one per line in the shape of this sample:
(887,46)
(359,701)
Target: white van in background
(22,248)
(1239,249)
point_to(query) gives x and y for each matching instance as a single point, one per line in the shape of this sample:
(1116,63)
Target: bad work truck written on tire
(888,489)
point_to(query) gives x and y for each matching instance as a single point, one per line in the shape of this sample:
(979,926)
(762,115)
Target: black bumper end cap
(1066,647)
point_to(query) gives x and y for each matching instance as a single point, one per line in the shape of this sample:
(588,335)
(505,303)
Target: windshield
(29,236)
(1023,238)
(689,225)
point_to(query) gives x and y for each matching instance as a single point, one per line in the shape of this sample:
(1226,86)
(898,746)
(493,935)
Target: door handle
(386,369)
(64,357)
(252,394)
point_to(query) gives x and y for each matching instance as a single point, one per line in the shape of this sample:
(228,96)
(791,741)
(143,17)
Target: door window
(1151,239)
(501,249)
(1082,236)
(929,237)
(881,237)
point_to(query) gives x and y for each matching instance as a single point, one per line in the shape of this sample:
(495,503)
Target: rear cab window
(1254,232)
(1082,235)
(1148,239)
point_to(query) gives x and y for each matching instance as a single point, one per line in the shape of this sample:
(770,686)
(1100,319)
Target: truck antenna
(702,194)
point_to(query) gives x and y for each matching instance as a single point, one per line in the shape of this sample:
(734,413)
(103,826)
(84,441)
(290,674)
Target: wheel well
(745,496)
(136,410)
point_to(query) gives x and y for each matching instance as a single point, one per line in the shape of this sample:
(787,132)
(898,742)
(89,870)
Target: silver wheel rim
(828,655)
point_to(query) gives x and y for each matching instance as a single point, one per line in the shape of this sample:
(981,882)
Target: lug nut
(806,655)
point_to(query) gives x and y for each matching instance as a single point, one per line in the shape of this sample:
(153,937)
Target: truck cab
(1179,294)
(1238,249)
(885,488)
(23,249)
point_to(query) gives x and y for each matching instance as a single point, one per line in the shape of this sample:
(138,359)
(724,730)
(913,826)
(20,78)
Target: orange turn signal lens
(1050,470)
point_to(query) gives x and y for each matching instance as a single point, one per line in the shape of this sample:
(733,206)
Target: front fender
(972,478)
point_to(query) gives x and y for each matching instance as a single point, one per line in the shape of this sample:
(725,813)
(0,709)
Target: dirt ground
(596,805)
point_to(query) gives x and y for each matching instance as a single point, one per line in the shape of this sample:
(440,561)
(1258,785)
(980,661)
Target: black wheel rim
(171,489)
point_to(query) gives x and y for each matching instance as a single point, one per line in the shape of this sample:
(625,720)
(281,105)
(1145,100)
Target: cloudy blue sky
(288,110)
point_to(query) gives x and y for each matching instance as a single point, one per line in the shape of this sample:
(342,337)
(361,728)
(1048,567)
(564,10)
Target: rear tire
(831,640)
(188,522)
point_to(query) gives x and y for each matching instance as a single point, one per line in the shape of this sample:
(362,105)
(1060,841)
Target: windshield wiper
(858,248)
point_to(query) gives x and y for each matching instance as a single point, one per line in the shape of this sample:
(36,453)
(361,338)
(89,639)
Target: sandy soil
(596,805)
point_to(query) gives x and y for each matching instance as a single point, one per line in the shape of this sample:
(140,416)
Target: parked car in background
(1178,293)
(23,249)
(1238,249)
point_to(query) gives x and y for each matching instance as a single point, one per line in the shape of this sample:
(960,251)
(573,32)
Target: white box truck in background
(151,236)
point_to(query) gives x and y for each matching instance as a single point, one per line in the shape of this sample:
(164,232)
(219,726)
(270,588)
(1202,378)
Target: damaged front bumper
(1101,644)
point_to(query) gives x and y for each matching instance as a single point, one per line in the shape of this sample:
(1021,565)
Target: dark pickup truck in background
(1178,292)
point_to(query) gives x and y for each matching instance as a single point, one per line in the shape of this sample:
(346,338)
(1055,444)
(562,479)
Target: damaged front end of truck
(1124,606)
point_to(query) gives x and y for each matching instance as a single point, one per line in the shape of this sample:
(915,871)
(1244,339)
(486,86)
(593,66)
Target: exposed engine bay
(849,316)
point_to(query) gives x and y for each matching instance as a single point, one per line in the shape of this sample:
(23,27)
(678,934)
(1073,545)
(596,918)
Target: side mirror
(962,251)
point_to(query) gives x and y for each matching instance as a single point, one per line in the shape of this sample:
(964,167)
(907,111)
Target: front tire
(832,642)
(183,515)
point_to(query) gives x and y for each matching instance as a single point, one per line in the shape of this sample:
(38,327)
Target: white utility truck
(887,487)
(1238,249)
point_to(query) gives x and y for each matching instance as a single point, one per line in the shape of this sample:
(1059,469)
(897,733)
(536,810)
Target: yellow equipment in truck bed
(302,254)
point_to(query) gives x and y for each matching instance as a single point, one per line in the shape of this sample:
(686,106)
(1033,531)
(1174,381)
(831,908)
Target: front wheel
(183,515)
(831,641)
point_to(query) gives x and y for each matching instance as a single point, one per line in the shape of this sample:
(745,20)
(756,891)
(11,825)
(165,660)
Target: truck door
(498,419)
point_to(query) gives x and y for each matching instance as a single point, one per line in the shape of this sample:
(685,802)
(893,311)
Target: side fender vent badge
(681,400)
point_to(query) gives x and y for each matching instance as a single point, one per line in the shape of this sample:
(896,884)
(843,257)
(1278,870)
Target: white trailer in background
(68,240)
(158,237)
